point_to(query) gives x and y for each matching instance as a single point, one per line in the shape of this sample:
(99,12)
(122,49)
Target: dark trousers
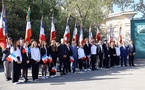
(131,60)
(68,65)
(93,61)
(75,64)
(16,71)
(87,63)
(82,64)
(106,62)
(35,69)
(101,60)
(112,62)
(25,73)
(124,60)
(117,60)
(63,65)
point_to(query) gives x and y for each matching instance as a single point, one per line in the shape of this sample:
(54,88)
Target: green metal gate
(138,36)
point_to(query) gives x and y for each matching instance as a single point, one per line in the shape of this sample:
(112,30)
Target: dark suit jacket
(99,51)
(112,51)
(74,51)
(87,49)
(131,49)
(54,54)
(123,51)
(106,52)
(25,57)
(62,50)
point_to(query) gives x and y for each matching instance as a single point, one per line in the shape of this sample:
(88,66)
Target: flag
(81,40)
(98,37)
(5,29)
(23,51)
(83,58)
(90,34)
(66,35)
(28,33)
(2,33)
(49,59)
(44,58)
(71,59)
(11,57)
(53,69)
(120,35)
(75,35)
(53,32)
(111,35)
(42,34)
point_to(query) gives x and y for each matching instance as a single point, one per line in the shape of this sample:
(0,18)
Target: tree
(140,7)
(123,4)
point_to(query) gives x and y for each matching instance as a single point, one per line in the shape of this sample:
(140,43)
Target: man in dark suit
(100,53)
(123,54)
(87,49)
(63,54)
(73,48)
(131,52)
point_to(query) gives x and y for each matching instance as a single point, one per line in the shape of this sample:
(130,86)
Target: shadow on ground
(90,76)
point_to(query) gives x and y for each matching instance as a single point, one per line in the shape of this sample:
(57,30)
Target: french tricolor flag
(28,33)
(66,35)
(42,33)
(53,69)
(98,33)
(120,35)
(49,59)
(90,34)
(75,35)
(11,57)
(53,32)
(71,59)
(44,58)
(81,40)
(111,35)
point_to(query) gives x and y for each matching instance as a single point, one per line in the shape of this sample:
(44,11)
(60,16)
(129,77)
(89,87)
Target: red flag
(111,35)
(2,33)
(53,32)
(98,34)
(90,34)
(120,35)
(67,31)
(75,35)
(42,34)
(28,33)
(81,40)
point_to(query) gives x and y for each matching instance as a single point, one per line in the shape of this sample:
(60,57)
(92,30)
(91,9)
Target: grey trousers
(7,69)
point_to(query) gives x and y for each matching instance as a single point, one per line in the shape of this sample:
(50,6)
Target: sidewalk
(117,78)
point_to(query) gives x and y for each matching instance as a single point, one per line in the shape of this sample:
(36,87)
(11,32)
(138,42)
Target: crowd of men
(89,56)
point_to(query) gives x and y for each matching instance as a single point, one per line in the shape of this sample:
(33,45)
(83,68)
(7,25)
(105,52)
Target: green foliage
(84,11)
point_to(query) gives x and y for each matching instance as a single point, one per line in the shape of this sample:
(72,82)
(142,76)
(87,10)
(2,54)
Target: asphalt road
(117,78)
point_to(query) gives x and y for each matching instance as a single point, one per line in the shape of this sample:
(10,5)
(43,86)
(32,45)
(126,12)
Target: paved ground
(118,78)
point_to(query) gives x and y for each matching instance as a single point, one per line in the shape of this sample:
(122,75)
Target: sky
(138,15)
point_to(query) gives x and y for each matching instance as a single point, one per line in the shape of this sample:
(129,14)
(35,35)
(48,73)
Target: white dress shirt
(81,53)
(93,49)
(35,53)
(16,52)
(117,51)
